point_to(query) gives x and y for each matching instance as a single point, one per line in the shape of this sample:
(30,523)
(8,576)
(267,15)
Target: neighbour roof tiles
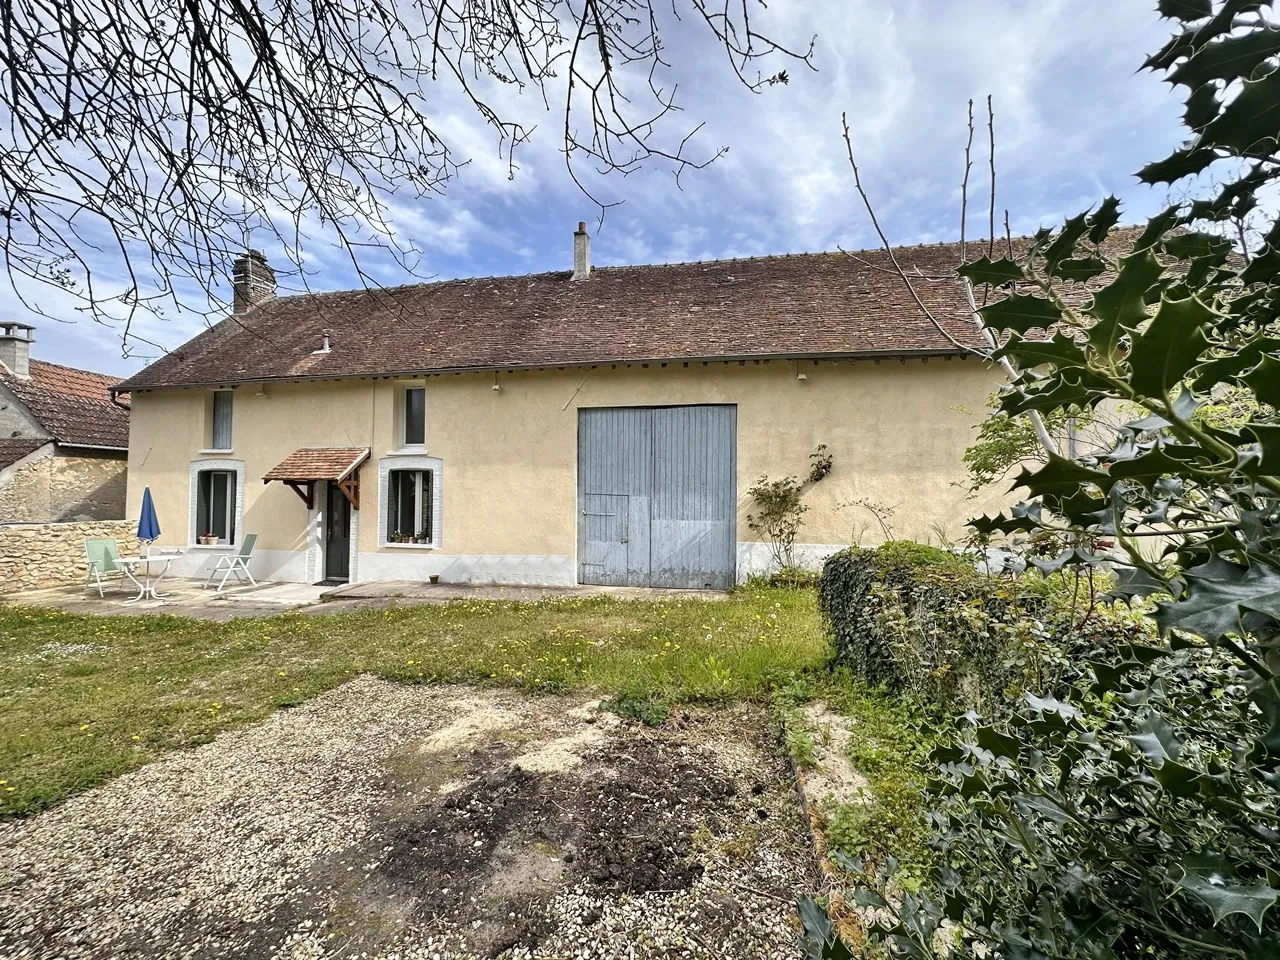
(74,406)
(13,449)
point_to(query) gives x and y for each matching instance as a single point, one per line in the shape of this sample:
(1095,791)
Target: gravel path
(381,820)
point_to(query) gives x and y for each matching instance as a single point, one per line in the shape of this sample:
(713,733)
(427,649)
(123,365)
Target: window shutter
(231,501)
(393,502)
(428,503)
(203,480)
(222,420)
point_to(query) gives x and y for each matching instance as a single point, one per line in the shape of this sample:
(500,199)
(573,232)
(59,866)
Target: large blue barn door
(657,496)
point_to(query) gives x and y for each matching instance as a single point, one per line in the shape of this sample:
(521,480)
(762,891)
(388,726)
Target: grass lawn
(85,698)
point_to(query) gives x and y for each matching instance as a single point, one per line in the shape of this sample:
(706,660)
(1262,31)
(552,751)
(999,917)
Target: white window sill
(215,452)
(212,546)
(412,546)
(419,451)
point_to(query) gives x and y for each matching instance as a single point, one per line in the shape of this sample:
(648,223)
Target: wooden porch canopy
(300,470)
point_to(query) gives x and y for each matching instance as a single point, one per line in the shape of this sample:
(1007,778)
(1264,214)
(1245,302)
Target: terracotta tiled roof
(13,449)
(74,406)
(318,463)
(806,305)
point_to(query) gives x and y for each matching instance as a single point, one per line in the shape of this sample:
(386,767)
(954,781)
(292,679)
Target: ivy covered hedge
(921,619)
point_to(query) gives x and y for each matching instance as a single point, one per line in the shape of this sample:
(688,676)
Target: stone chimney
(581,253)
(15,347)
(252,280)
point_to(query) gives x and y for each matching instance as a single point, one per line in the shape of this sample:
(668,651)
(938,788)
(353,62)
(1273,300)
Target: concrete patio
(183,598)
(189,598)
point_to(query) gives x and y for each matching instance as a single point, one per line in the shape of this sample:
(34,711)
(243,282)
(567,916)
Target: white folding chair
(237,564)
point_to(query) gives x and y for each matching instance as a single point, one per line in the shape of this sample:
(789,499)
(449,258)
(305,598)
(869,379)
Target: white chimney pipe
(581,253)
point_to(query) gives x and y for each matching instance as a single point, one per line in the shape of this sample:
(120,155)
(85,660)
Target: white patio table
(148,584)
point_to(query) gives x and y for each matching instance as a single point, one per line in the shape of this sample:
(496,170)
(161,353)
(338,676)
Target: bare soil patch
(381,820)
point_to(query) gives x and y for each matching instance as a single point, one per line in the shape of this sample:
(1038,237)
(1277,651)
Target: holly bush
(1138,814)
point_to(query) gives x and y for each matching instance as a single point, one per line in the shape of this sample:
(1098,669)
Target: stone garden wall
(59,487)
(36,555)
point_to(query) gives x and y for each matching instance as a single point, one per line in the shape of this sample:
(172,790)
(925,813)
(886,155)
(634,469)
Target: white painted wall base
(410,564)
(754,558)
(287,565)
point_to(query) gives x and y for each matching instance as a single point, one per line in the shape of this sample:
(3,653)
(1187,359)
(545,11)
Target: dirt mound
(636,835)
(484,853)
(508,838)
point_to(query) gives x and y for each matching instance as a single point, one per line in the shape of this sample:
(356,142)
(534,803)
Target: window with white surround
(217,502)
(216,505)
(413,417)
(411,500)
(220,421)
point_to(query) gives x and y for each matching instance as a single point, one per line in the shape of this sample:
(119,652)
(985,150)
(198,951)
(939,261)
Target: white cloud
(1073,122)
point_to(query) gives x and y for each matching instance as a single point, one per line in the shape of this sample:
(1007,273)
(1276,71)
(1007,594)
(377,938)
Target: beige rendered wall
(896,431)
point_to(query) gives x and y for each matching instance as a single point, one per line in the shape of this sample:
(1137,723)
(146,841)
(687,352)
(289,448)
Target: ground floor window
(410,498)
(216,505)
(217,502)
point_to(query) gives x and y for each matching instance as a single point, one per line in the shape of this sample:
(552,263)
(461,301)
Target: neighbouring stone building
(64,440)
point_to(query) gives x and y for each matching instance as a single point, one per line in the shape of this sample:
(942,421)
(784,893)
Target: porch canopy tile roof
(309,464)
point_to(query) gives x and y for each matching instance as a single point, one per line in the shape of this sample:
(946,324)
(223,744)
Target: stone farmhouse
(600,425)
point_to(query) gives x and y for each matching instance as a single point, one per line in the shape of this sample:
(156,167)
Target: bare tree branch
(164,138)
(964,183)
(1042,432)
(991,155)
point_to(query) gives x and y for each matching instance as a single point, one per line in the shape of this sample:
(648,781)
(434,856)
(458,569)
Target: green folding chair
(238,564)
(102,556)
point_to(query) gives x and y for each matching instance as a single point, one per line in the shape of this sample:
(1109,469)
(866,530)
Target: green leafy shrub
(1091,827)
(639,702)
(923,620)
(1139,813)
(845,597)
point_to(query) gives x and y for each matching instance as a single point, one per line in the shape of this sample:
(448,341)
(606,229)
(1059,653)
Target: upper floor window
(220,438)
(413,417)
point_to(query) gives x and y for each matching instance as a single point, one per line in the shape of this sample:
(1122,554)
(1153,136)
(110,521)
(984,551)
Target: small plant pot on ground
(434,578)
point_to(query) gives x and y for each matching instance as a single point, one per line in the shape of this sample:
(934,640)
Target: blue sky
(1074,120)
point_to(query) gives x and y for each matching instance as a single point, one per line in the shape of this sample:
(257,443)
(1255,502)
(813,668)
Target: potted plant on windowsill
(422,537)
(208,539)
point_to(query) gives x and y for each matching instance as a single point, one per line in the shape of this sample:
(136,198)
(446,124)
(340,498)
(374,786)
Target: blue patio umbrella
(148,522)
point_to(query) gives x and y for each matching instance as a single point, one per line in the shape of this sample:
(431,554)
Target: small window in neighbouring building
(409,506)
(221,439)
(216,505)
(415,417)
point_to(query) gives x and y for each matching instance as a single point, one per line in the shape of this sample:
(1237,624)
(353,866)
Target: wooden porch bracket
(350,488)
(307,493)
